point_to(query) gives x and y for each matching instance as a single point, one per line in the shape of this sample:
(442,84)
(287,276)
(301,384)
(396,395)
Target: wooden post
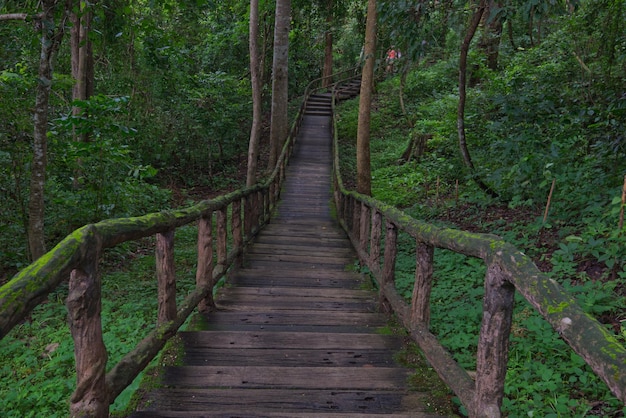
(84,306)
(356,219)
(377,227)
(222,236)
(389,263)
(347,212)
(236,230)
(493,343)
(247,217)
(204,273)
(258,210)
(364,228)
(420,304)
(166,276)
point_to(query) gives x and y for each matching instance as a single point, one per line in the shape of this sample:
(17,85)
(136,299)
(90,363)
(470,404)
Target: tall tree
(256,77)
(363,163)
(51,35)
(490,40)
(279,125)
(82,52)
(328,46)
(460,120)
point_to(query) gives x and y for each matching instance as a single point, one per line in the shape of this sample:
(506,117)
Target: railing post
(364,228)
(222,236)
(236,230)
(247,217)
(493,343)
(204,272)
(389,263)
(166,276)
(84,306)
(356,219)
(377,227)
(420,301)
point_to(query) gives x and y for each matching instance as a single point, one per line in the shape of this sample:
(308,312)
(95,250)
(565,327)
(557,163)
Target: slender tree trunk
(460,121)
(471,31)
(279,125)
(490,42)
(255,76)
(82,56)
(51,36)
(363,163)
(328,49)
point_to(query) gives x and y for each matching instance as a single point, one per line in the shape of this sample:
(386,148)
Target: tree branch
(21,16)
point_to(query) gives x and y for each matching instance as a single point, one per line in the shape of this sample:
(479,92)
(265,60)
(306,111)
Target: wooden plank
(298,317)
(324,258)
(279,304)
(277,400)
(313,250)
(293,358)
(313,278)
(292,340)
(255,414)
(359,378)
(305,292)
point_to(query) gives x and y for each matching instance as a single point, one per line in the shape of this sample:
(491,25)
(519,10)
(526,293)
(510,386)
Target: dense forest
(506,117)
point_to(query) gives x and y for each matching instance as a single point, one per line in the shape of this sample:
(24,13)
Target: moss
(557,309)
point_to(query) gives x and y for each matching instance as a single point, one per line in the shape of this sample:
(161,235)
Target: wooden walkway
(296,333)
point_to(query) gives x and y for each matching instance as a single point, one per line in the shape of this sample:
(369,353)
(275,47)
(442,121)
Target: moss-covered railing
(76,258)
(508,270)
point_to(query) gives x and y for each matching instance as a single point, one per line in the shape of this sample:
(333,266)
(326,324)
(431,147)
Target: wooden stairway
(296,333)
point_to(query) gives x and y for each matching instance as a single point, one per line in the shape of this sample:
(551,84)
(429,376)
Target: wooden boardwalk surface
(296,333)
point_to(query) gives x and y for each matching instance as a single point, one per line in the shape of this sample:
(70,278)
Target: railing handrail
(508,270)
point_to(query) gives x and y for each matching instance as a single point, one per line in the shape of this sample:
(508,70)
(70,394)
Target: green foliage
(97,178)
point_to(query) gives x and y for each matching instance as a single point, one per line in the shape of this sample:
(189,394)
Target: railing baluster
(364,228)
(377,228)
(356,220)
(493,343)
(204,272)
(237,233)
(389,263)
(166,276)
(222,236)
(84,305)
(420,301)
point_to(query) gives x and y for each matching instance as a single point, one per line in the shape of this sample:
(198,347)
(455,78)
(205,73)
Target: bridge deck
(296,333)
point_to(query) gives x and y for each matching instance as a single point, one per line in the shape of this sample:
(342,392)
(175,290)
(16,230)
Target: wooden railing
(365,219)
(77,257)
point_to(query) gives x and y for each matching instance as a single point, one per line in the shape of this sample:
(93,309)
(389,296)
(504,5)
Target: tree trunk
(363,164)
(490,42)
(51,36)
(279,125)
(328,49)
(255,76)
(82,57)
(471,30)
